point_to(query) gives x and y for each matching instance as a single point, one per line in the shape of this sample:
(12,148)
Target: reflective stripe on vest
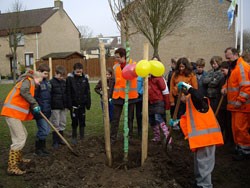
(234,102)
(11,106)
(243,76)
(195,132)
(120,89)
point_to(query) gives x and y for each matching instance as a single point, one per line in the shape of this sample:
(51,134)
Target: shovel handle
(174,115)
(57,132)
(219,105)
(177,105)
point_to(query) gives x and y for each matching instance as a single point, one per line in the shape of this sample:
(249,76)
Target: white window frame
(29,59)
(20,39)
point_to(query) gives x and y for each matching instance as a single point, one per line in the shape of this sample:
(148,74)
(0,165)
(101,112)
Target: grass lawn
(94,127)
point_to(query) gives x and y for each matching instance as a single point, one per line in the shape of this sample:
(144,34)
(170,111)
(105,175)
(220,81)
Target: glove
(110,100)
(183,85)
(37,110)
(237,104)
(173,123)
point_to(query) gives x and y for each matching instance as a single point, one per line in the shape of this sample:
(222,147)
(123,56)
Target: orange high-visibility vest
(120,84)
(201,129)
(238,87)
(15,105)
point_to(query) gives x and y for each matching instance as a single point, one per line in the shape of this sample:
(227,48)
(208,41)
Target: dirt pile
(173,169)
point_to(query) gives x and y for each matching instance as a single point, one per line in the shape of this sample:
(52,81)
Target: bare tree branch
(121,10)
(14,33)
(156,19)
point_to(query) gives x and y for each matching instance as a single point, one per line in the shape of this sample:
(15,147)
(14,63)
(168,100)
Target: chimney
(58,4)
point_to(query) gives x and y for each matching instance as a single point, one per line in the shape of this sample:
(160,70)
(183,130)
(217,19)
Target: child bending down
(200,127)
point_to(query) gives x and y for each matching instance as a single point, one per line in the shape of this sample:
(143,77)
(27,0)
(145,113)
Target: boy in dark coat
(78,98)
(58,104)
(43,97)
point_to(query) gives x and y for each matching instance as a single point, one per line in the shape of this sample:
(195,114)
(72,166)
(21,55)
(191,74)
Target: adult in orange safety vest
(200,127)
(17,107)
(118,96)
(237,89)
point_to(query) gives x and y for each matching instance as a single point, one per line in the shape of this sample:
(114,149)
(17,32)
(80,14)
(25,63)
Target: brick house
(43,31)
(202,34)
(90,46)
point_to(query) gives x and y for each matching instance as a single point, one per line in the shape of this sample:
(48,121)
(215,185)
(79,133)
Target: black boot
(74,135)
(39,150)
(81,133)
(55,140)
(60,140)
(44,147)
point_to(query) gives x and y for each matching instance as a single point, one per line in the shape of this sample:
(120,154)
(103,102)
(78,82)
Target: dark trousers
(138,114)
(224,118)
(116,119)
(78,118)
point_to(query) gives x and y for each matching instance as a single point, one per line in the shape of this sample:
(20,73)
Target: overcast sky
(95,14)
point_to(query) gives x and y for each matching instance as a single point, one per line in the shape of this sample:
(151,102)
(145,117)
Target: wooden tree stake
(105,103)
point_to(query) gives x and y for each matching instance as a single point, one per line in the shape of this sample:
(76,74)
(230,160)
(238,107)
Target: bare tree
(246,39)
(156,19)
(121,11)
(86,36)
(86,31)
(15,34)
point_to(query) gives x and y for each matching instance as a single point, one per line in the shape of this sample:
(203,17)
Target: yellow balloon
(157,68)
(143,68)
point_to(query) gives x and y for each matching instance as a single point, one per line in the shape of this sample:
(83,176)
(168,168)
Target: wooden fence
(90,66)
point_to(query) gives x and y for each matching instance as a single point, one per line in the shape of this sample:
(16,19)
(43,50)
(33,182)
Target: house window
(17,38)
(29,60)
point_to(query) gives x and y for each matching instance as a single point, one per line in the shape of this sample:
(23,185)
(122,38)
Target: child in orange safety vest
(200,127)
(19,106)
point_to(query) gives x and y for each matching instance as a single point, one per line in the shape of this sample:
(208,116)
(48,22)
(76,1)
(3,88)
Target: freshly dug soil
(171,169)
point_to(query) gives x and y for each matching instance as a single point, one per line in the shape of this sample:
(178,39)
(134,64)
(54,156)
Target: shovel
(57,132)
(174,115)
(219,105)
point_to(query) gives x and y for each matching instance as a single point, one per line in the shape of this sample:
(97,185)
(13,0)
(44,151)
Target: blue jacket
(43,97)
(140,85)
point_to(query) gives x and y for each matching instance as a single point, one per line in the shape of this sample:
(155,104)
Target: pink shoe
(157,133)
(155,140)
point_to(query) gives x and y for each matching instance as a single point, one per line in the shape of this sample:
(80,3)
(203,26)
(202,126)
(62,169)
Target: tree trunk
(156,50)
(14,67)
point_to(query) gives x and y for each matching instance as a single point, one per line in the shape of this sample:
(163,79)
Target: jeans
(111,110)
(43,129)
(156,119)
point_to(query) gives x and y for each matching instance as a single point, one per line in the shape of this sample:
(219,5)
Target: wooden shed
(68,59)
